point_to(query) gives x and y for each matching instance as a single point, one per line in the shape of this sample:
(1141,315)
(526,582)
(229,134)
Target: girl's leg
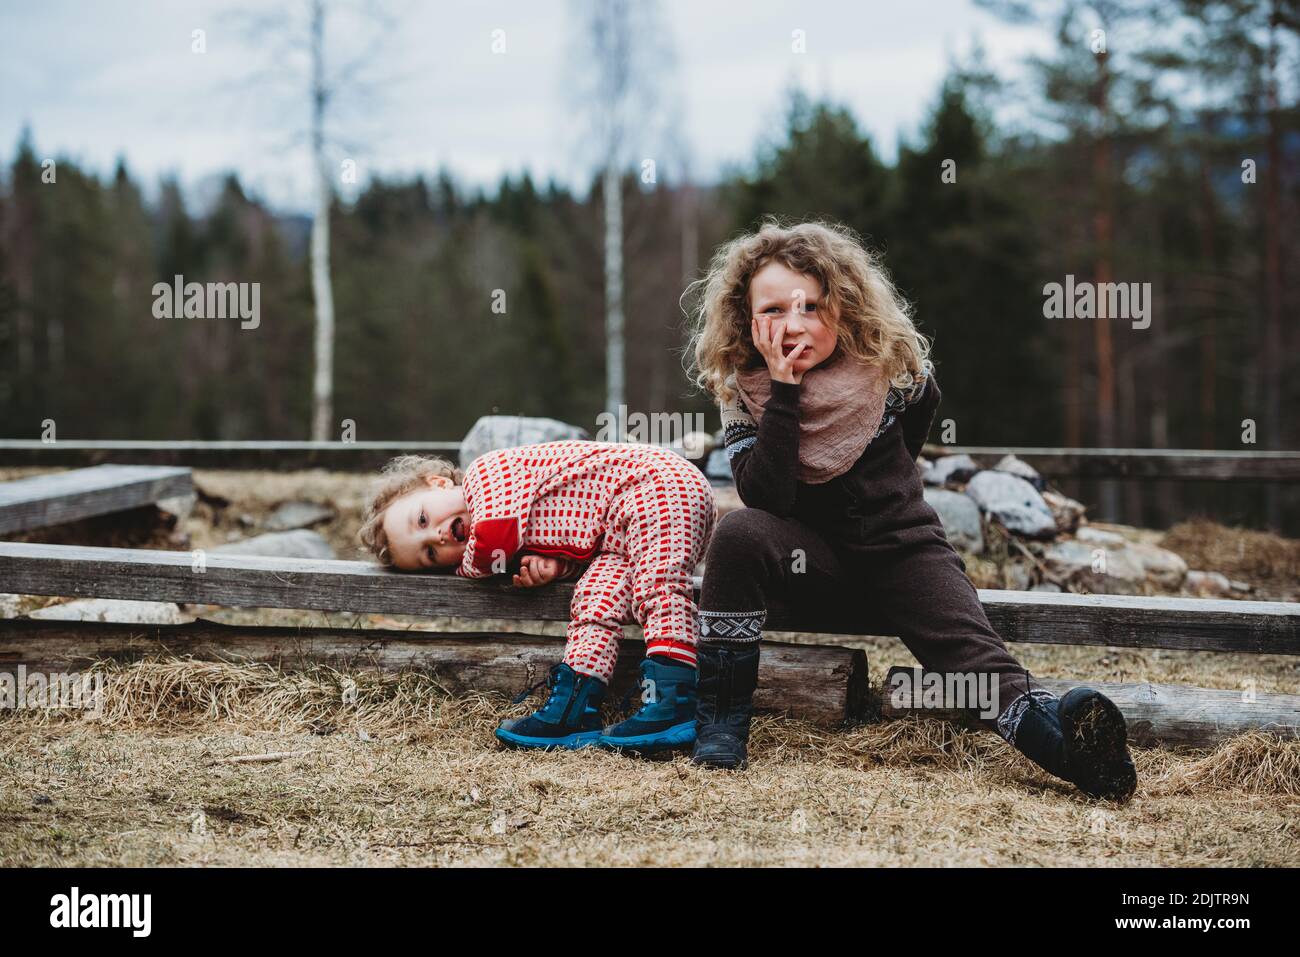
(602,600)
(667,523)
(919,584)
(754,557)
(570,718)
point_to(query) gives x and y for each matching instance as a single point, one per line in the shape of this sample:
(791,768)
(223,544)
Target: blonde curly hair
(401,475)
(872,322)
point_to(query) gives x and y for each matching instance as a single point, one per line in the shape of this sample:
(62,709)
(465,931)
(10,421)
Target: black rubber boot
(1081,738)
(724,702)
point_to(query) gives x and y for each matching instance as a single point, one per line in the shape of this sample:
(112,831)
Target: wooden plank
(1234,465)
(821,683)
(1053,463)
(275,456)
(1166,716)
(1189,624)
(82,493)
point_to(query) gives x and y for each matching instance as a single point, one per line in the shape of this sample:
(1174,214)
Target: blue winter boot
(667,715)
(570,719)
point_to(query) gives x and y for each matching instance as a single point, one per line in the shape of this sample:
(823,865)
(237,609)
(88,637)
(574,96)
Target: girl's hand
(768,336)
(536,570)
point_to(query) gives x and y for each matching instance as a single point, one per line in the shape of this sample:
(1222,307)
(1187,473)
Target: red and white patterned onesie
(641,514)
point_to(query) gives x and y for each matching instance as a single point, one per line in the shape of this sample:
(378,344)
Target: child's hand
(536,570)
(768,336)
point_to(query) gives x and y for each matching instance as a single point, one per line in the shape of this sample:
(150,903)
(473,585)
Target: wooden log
(822,683)
(1234,465)
(1165,716)
(1188,624)
(82,493)
(1053,463)
(273,456)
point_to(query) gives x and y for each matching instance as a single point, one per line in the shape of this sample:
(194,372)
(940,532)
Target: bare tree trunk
(322,291)
(614,388)
(1209,293)
(1273,276)
(1102,230)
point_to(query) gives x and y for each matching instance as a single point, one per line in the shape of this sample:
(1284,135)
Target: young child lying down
(632,521)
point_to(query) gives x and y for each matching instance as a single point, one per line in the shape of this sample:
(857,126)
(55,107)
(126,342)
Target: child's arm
(764,456)
(919,415)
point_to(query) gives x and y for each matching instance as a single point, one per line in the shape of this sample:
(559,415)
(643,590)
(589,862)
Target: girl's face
(778,292)
(427,527)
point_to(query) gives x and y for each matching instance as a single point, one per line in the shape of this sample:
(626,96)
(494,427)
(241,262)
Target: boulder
(1098,536)
(1096,568)
(718,467)
(951,468)
(290,515)
(1012,502)
(960,517)
(116,610)
(301,543)
(1066,511)
(506,431)
(1021,469)
(1161,566)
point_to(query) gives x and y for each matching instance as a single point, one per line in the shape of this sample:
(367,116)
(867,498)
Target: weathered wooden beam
(1053,463)
(1188,624)
(1166,716)
(276,456)
(1176,464)
(82,493)
(822,683)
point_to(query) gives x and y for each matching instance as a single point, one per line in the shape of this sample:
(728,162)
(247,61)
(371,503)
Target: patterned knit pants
(659,528)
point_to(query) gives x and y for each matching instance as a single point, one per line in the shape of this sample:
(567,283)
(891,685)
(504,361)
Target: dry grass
(1260,558)
(398,772)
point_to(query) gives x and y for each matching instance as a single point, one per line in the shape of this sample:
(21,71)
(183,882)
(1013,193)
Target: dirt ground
(399,772)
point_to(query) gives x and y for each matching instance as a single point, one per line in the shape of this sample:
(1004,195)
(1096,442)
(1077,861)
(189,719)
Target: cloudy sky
(119,77)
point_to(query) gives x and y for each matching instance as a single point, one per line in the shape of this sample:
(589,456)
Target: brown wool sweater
(879,495)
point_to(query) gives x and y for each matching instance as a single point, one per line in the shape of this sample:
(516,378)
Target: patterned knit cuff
(732,625)
(1009,720)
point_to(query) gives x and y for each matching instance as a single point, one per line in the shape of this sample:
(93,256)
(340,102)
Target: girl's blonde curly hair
(403,474)
(871,320)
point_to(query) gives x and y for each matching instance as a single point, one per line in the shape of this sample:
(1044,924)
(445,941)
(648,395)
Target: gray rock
(1021,469)
(960,517)
(290,515)
(1161,566)
(1013,503)
(112,609)
(506,431)
(301,543)
(181,506)
(1046,586)
(1098,569)
(1067,512)
(1099,536)
(951,468)
(718,466)
(1207,584)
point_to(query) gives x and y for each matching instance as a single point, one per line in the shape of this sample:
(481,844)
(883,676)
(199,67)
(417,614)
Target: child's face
(776,291)
(427,527)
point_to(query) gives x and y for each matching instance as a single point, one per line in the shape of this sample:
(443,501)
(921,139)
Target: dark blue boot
(667,716)
(570,719)
(728,678)
(1081,738)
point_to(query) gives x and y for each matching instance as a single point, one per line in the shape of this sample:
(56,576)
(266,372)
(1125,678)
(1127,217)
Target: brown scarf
(841,404)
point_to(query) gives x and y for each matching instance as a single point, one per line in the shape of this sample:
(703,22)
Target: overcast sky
(95,80)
